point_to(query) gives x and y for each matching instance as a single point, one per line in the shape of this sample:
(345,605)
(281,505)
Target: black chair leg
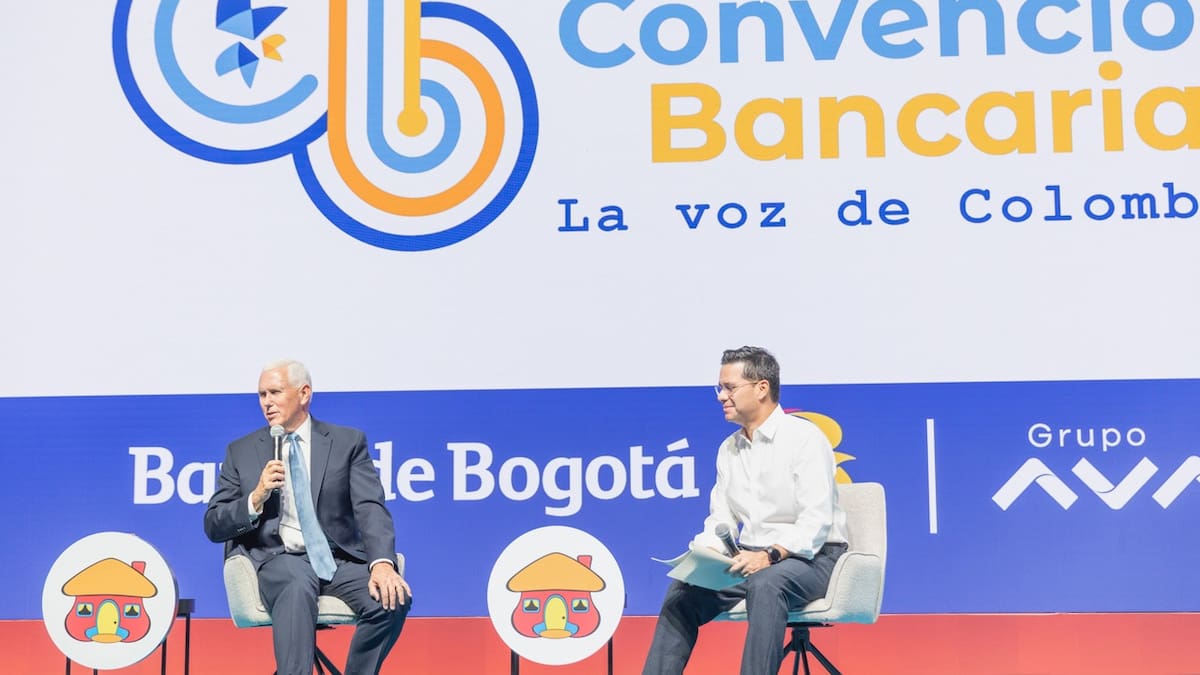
(801,644)
(824,661)
(320,661)
(324,660)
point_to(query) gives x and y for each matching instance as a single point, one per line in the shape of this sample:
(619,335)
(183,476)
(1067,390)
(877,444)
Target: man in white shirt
(775,479)
(313,521)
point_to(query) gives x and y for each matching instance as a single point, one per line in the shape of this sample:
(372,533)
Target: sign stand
(514,660)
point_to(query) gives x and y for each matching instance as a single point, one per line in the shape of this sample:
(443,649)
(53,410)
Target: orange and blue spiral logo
(411,125)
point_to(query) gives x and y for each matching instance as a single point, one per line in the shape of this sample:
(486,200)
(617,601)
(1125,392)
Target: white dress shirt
(779,487)
(289,518)
(289,521)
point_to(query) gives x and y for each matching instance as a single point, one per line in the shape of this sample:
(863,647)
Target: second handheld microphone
(726,537)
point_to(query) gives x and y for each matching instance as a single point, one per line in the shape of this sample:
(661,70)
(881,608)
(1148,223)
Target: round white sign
(556,595)
(109,600)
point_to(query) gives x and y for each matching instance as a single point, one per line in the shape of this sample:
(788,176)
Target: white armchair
(247,609)
(855,592)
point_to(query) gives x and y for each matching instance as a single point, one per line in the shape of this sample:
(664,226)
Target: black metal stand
(94,671)
(514,660)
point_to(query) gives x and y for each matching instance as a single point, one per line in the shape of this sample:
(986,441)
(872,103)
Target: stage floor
(968,644)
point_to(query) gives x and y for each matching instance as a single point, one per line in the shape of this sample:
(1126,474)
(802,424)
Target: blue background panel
(71,473)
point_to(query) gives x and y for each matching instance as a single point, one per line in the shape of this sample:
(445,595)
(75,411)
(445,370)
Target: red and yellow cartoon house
(556,597)
(108,602)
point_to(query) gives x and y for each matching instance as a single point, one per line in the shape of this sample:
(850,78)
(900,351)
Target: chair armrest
(241,590)
(856,589)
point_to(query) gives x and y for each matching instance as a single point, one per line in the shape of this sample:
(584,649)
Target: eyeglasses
(728,390)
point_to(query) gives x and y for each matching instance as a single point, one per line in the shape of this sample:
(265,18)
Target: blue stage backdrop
(1002,497)
(511,239)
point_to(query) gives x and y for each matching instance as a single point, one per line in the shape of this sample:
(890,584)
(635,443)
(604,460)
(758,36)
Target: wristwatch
(773,554)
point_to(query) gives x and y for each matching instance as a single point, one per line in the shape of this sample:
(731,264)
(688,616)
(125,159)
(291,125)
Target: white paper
(703,567)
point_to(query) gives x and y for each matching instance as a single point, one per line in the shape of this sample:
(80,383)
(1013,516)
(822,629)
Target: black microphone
(722,532)
(277,433)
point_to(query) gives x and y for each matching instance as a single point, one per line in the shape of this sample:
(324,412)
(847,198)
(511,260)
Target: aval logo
(555,595)
(1034,471)
(410,130)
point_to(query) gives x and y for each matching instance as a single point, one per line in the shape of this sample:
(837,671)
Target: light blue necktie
(319,555)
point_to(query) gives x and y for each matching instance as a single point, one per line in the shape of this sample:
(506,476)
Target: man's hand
(749,562)
(271,478)
(388,587)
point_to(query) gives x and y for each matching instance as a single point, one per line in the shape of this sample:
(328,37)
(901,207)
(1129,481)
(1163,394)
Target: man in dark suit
(335,538)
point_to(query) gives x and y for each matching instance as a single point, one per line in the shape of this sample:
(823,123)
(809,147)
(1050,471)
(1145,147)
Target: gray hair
(297,374)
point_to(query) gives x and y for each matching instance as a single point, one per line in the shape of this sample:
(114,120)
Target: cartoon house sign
(109,602)
(556,597)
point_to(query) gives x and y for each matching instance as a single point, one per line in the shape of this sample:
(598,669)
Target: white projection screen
(132,267)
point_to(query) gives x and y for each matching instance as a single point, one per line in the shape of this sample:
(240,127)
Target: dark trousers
(289,588)
(770,594)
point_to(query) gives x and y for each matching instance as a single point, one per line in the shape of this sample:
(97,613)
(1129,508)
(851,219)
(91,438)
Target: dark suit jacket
(346,491)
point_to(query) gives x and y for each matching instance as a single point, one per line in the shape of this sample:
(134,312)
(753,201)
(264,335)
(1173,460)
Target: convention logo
(555,595)
(411,125)
(109,601)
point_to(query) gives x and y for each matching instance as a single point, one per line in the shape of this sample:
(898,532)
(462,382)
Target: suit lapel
(318,461)
(265,446)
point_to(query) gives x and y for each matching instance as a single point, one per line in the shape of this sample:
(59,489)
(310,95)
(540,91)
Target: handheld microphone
(722,532)
(277,433)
